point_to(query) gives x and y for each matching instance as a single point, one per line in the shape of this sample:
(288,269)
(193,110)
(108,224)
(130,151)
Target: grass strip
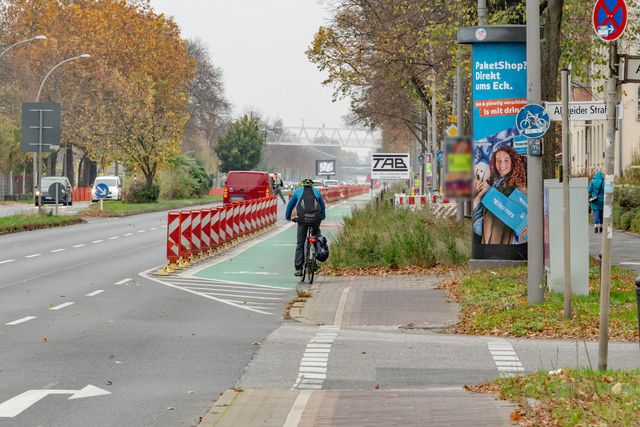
(26,222)
(495,303)
(397,240)
(116,208)
(573,397)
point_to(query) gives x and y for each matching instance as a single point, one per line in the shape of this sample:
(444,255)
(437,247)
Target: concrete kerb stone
(218,410)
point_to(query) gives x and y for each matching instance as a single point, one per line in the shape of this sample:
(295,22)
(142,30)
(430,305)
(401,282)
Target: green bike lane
(269,261)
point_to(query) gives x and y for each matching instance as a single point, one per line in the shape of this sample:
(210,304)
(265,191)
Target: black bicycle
(310,263)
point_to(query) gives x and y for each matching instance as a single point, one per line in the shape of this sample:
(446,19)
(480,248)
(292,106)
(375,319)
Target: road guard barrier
(411,202)
(195,235)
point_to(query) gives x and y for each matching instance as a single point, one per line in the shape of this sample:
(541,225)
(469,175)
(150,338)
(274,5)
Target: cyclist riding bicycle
(310,211)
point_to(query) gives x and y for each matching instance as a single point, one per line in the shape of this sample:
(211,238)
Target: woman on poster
(507,172)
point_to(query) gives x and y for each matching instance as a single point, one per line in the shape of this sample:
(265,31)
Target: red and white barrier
(411,202)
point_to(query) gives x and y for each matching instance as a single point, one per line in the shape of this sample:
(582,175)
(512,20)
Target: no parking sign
(609,19)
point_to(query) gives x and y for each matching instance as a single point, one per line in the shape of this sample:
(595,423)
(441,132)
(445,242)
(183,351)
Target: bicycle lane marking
(270,262)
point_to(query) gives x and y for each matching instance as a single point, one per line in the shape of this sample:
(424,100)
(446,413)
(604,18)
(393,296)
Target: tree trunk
(52,161)
(550,62)
(87,172)
(68,163)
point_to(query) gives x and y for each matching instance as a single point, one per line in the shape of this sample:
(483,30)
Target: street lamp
(38,163)
(22,42)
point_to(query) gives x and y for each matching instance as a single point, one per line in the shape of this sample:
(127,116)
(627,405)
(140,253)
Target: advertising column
(499,90)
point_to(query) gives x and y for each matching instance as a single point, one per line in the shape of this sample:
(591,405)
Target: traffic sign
(452,131)
(453,119)
(41,128)
(390,166)
(532,121)
(102,191)
(609,19)
(421,159)
(631,69)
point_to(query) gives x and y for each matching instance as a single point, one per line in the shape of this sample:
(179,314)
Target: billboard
(325,167)
(389,166)
(499,191)
(458,167)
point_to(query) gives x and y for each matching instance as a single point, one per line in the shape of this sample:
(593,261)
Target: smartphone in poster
(499,181)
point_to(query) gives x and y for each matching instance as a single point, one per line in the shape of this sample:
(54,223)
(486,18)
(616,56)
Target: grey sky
(260,44)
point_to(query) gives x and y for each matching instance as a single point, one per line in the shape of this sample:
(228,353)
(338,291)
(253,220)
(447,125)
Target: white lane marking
(16,405)
(629,263)
(314,359)
(141,231)
(122,282)
(32,255)
(255,273)
(80,245)
(337,321)
(225,284)
(56,250)
(17,322)
(284,245)
(299,405)
(97,241)
(310,345)
(505,357)
(233,289)
(114,237)
(313,365)
(94,293)
(128,234)
(6,261)
(164,226)
(219,294)
(321,364)
(153,228)
(61,306)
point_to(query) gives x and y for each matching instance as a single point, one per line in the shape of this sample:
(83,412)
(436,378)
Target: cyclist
(310,211)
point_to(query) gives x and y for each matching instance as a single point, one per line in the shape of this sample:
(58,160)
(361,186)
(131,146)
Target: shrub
(143,194)
(184,179)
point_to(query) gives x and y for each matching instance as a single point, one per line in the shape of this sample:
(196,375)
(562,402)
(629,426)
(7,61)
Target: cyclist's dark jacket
(297,196)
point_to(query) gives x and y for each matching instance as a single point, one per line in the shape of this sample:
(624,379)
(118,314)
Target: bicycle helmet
(306,183)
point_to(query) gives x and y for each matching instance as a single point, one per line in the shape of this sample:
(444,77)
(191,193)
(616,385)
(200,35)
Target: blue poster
(499,91)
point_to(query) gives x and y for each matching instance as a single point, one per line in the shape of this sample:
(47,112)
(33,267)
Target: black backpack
(322,248)
(308,207)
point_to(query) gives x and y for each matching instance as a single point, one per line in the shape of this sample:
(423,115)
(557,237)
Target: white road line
(164,226)
(56,250)
(97,241)
(128,234)
(337,321)
(299,405)
(321,364)
(239,291)
(94,293)
(80,245)
(7,261)
(314,359)
(32,255)
(312,369)
(317,350)
(153,228)
(114,237)
(189,282)
(218,294)
(141,231)
(505,357)
(318,345)
(122,282)
(629,263)
(17,322)
(61,306)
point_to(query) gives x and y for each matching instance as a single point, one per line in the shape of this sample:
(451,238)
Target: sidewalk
(625,249)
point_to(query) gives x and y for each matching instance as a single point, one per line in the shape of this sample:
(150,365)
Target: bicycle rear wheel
(305,266)
(311,265)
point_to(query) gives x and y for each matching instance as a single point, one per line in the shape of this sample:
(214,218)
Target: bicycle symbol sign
(609,19)
(532,121)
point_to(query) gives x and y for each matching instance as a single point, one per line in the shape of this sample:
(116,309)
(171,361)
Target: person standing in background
(596,200)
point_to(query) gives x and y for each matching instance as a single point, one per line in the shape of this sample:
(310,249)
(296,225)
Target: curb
(219,409)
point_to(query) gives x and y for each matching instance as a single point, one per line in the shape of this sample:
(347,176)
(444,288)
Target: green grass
(25,222)
(495,303)
(576,397)
(397,239)
(120,208)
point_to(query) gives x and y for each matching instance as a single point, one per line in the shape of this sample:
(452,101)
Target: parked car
(246,185)
(331,183)
(318,184)
(45,184)
(115,188)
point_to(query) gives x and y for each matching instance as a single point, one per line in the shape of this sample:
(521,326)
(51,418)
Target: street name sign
(390,166)
(587,110)
(609,19)
(532,121)
(40,126)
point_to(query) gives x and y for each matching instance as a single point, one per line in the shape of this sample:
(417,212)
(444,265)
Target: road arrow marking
(16,405)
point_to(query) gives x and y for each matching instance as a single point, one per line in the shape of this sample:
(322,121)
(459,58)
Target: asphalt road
(75,312)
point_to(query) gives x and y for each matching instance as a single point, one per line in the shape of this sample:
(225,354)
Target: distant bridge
(323,137)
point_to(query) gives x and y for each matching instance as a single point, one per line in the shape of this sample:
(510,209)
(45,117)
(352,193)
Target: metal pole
(566,204)
(459,123)
(535,268)
(40,159)
(612,96)
(482,12)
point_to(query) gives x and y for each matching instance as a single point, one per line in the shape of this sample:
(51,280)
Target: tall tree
(240,148)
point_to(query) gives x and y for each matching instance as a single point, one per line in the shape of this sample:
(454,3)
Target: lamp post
(37,163)
(22,42)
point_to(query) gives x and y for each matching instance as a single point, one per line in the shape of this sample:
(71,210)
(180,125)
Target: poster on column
(500,212)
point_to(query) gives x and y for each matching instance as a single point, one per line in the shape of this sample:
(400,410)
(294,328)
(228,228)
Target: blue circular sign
(532,121)
(102,191)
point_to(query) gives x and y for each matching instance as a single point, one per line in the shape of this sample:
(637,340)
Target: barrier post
(216,237)
(228,223)
(205,225)
(196,236)
(173,242)
(242,210)
(236,222)
(184,249)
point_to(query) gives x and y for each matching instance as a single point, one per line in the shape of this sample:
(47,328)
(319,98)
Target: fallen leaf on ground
(108,382)
(171,408)
(238,389)
(45,339)
(257,344)
(516,416)
(376,386)
(616,389)
(191,392)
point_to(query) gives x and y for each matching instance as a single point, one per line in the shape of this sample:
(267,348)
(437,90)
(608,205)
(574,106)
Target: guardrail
(195,235)
(334,194)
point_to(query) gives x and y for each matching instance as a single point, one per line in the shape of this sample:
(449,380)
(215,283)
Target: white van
(115,188)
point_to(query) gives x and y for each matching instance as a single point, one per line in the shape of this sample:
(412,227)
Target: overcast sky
(260,44)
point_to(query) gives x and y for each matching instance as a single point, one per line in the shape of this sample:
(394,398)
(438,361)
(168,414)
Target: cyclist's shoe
(298,273)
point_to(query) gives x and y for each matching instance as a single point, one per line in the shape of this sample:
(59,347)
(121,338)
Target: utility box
(579,235)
